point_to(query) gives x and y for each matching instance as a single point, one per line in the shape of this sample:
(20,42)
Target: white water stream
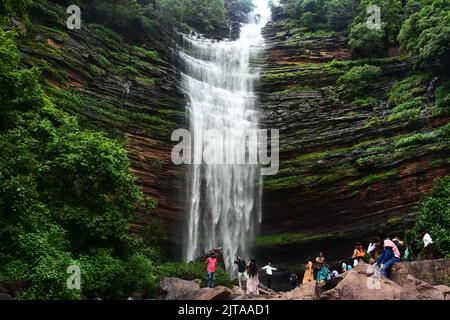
(225,200)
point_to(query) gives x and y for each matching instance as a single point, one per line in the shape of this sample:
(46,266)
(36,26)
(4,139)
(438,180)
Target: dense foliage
(368,42)
(426,32)
(316,15)
(434,217)
(66,197)
(193,271)
(144,20)
(359,81)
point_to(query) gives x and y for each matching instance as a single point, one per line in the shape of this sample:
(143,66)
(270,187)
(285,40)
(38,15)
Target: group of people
(381,252)
(248,274)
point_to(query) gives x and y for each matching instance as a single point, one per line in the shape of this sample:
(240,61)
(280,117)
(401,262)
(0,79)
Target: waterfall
(225,199)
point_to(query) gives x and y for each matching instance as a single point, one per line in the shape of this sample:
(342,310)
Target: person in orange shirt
(309,273)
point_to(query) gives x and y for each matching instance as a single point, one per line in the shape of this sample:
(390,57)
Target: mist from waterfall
(225,200)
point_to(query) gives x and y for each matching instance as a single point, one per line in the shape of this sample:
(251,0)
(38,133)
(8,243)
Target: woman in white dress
(252,280)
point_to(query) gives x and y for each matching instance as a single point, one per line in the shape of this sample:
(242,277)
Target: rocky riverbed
(361,283)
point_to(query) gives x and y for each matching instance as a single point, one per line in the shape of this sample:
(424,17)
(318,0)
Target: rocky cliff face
(348,169)
(131,92)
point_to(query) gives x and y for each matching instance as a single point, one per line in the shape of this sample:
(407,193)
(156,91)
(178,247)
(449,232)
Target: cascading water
(224,199)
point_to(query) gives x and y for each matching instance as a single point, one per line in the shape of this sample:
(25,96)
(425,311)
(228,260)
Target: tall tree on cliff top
(368,42)
(426,32)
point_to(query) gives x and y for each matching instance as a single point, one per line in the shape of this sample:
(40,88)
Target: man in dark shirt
(242,276)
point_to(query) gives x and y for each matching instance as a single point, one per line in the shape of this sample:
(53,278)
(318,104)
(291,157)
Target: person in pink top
(389,257)
(211,267)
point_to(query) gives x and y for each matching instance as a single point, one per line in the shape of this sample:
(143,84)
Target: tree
(339,14)
(426,32)
(238,10)
(391,22)
(434,216)
(65,192)
(202,15)
(366,42)
(13,8)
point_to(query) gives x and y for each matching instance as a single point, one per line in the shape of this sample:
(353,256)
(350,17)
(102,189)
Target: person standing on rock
(358,254)
(309,272)
(252,280)
(388,258)
(211,267)
(320,260)
(371,248)
(293,280)
(427,245)
(344,267)
(269,271)
(242,276)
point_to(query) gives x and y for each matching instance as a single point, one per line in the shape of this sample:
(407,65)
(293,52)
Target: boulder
(363,283)
(415,289)
(178,289)
(217,293)
(445,291)
(238,291)
(304,292)
(435,272)
(175,289)
(5,296)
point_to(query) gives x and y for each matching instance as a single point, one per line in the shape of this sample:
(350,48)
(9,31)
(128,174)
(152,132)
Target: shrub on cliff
(358,81)
(435,216)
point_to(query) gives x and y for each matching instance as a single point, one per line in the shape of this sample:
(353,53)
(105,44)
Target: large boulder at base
(415,289)
(217,293)
(362,283)
(237,291)
(435,272)
(445,291)
(5,296)
(306,291)
(176,289)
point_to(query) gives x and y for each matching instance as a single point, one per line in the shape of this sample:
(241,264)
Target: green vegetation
(373,178)
(406,96)
(288,239)
(10,8)
(359,81)
(67,197)
(374,42)
(366,42)
(426,33)
(434,217)
(443,96)
(318,15)
(193,271)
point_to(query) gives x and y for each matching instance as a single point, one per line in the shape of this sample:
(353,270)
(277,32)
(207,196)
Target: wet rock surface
(343,176)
